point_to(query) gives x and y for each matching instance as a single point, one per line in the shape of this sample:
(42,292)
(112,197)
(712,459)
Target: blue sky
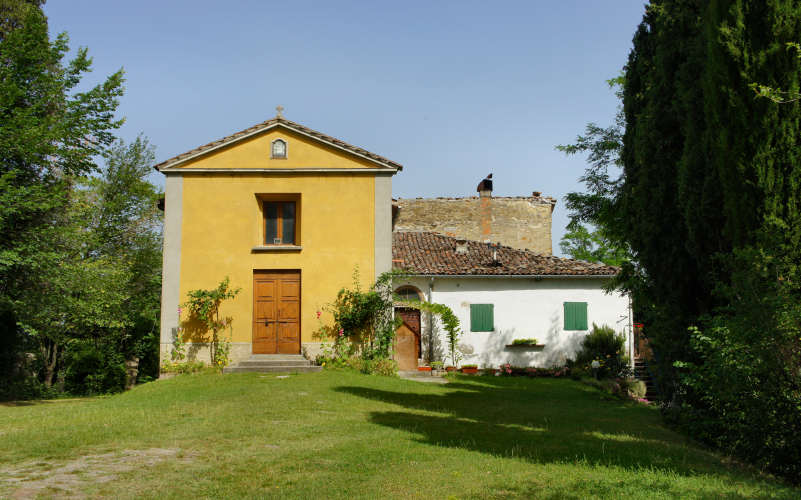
(451,90)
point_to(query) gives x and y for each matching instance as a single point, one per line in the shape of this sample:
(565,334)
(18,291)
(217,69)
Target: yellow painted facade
(254,152)
(214,224)
(222,222)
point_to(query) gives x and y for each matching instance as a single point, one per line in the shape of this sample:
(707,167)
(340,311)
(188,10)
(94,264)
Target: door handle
(266,322)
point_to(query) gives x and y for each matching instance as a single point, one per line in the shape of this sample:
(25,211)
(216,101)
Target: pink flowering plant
(363,323)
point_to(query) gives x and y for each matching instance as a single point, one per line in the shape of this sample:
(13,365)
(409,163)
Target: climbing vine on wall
(363,319)
(204,313)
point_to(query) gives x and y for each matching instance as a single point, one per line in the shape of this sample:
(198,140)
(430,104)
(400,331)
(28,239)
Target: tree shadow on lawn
(545,421)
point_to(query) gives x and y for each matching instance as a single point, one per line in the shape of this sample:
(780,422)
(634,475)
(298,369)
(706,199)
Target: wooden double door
(276,312)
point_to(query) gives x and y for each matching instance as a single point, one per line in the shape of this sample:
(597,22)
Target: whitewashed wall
(524,308)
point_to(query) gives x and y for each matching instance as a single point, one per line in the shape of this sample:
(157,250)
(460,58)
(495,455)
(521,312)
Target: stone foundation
(200,352)
(311,350)
(239,351)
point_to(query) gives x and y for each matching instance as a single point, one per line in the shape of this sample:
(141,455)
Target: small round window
(278,149)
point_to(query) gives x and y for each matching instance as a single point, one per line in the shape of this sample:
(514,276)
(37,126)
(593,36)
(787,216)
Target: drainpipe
(631,334)
(430,353)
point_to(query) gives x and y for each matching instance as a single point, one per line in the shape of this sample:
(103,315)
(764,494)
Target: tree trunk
(131,372)
(50,359)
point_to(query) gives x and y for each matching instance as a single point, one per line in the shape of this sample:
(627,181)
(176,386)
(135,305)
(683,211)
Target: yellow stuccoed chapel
(285,212)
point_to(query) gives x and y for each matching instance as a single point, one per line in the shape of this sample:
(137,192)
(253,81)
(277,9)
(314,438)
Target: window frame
(264,200)
(272,149)
(492,318)
(410,288)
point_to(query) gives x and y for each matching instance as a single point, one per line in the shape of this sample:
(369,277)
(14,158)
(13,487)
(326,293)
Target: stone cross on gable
(279,111)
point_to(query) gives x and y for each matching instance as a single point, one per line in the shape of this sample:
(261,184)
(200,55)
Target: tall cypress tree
(656,101)
(712,207)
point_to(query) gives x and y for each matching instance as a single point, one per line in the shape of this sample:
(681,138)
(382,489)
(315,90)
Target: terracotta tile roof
(431,253)
(292,126)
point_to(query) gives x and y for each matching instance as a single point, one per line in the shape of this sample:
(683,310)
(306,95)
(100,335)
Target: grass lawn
(342,434)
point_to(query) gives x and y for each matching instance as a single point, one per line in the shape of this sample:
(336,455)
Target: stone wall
(519,222)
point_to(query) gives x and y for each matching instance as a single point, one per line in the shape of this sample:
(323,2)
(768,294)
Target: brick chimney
(485,207)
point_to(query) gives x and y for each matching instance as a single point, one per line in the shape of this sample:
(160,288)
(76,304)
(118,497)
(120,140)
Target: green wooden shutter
(575,315)
(482,318)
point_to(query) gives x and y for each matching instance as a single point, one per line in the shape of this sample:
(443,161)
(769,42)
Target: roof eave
(432,275)
(172,164)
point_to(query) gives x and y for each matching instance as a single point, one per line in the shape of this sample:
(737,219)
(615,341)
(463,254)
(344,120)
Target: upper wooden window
(278,149)
(280,225)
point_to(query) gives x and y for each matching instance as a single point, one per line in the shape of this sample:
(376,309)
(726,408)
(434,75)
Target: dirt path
(68,479)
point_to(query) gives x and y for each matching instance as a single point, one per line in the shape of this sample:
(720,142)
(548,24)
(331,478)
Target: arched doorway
(407,336)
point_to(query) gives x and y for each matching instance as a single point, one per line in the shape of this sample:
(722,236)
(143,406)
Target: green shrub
(743,394)
(607,385)
(359,364)
(386,367)
(25,388)
(380,366)
(577,373)
(635,388)
(524,342)
(91,370)
(602,344)
(330,361)
(184,367)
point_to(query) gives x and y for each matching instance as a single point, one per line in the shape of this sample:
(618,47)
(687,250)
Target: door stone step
(273,369)
(277,362)
(274,363)
(277,357)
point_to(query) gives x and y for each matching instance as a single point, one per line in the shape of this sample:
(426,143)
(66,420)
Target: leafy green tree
(12,12)
(126,224)
(74,294)
(711,208)
(49,135)
(778,95)
(596,207)
(582,244)
(708,205)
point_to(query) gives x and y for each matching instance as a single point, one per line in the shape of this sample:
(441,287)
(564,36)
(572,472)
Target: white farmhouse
(501,294)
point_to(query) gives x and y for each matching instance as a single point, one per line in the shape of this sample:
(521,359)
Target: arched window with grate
(409,293)
(278,151)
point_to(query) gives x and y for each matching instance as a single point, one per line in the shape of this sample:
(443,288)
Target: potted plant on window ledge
(525,343)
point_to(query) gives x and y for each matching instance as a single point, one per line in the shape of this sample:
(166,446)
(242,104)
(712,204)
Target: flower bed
(527,371)
(470,369)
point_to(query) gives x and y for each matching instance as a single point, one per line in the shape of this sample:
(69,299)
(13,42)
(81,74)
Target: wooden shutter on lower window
(575,315)
(482,318)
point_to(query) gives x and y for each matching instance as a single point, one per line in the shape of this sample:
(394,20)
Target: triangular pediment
(249,150)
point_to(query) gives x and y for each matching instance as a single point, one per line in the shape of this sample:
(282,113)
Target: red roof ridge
(547,199)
